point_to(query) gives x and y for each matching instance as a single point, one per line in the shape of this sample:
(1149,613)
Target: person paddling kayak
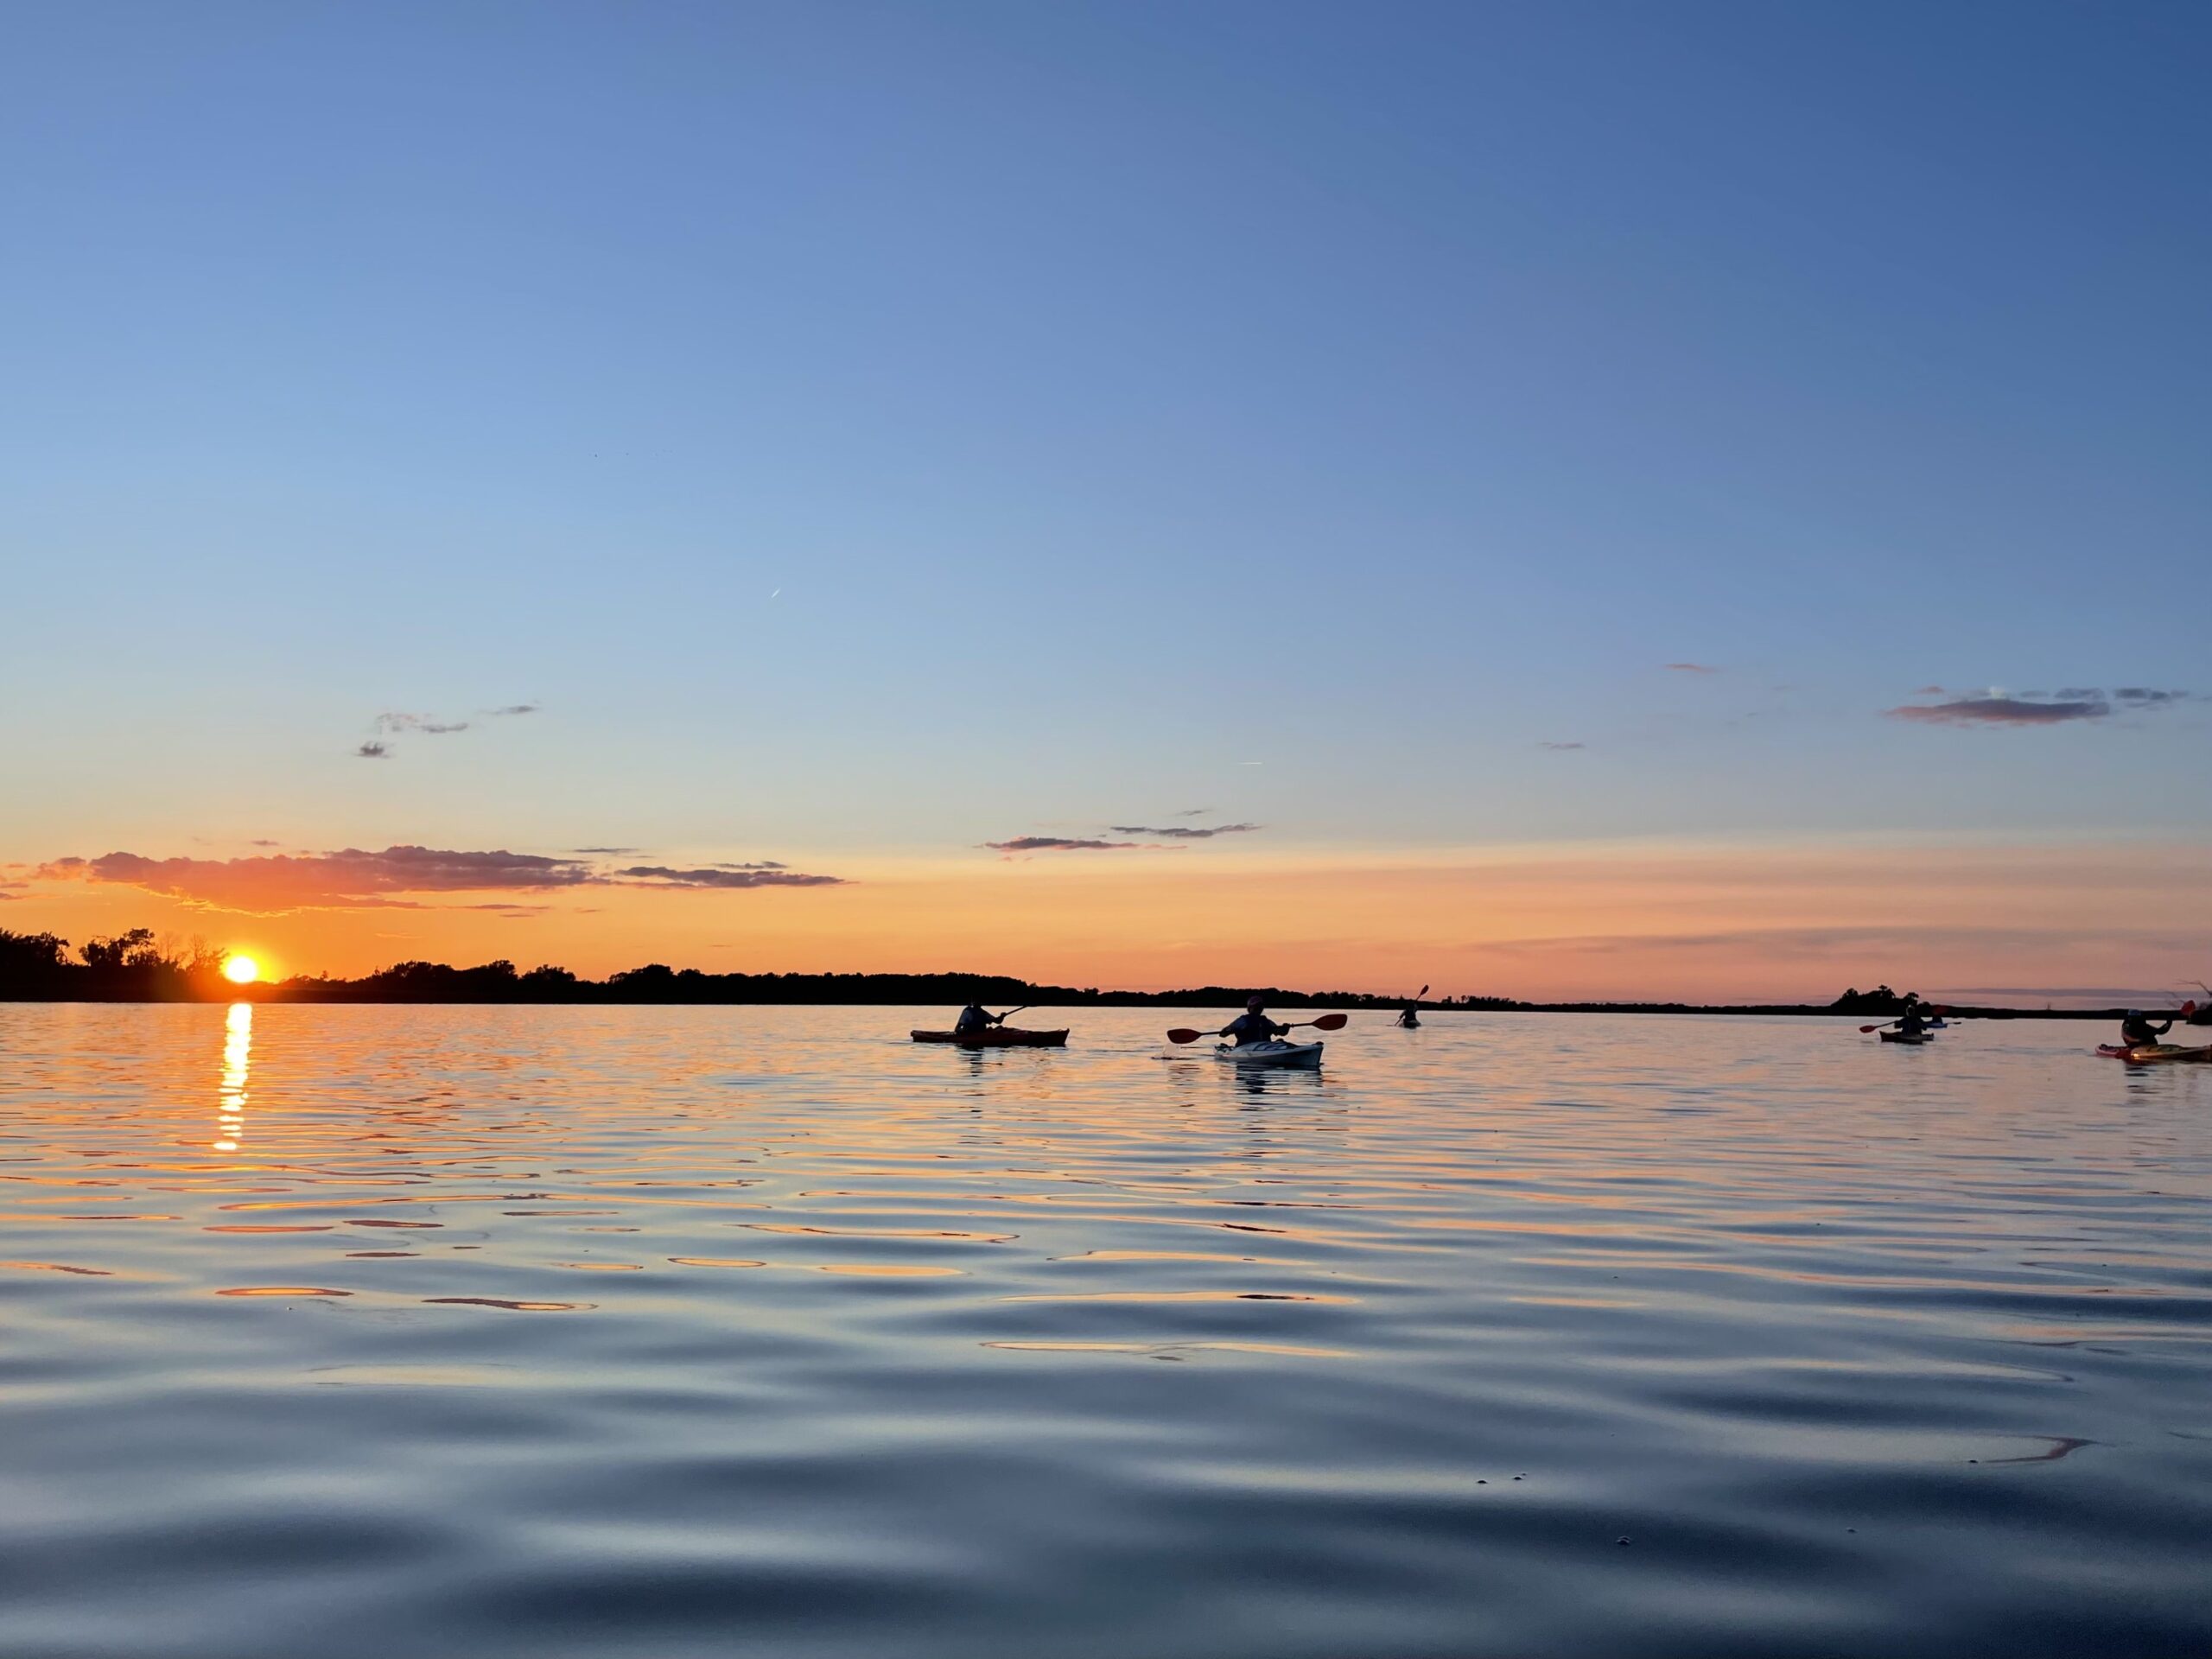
(1912,1022)
(1253,1026)
(975,1020)
(1409,1019)
(2139,1030)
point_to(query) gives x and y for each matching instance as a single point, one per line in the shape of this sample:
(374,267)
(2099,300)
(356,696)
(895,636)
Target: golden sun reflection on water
(238,1059)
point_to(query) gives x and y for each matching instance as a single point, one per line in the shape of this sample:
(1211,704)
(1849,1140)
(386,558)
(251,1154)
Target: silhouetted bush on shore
(131,967)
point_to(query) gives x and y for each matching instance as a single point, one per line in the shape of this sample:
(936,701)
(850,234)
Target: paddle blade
(1184,1035)
(1329,1022)
(1863,1030)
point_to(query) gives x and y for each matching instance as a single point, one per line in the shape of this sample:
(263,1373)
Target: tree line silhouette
(137,967)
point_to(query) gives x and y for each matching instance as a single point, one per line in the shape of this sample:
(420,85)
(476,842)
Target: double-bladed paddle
(1326,1022)
(1940,1013)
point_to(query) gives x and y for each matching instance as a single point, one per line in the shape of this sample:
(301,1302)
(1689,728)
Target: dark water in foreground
(671,1333)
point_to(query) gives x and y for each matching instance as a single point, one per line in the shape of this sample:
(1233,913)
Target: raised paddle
(1326,1022)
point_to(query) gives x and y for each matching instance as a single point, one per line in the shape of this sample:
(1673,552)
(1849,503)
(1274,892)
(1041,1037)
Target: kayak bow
(1299,1054)
(2145,1053)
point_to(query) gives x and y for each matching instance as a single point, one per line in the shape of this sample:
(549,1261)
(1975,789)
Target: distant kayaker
(1253,1026)
(1410,1020)
(1912,1022)
(2139,1030)
(975,1020)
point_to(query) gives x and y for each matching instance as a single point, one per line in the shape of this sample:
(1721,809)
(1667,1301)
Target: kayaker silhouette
(1409,1019)
(1912,1022)
(2139,1030)
(1253,1026)
(975,1020)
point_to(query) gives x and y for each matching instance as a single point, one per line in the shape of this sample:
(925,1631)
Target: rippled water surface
(338,1331)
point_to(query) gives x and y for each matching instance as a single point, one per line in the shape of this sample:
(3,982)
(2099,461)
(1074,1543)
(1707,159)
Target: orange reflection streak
(238,1059)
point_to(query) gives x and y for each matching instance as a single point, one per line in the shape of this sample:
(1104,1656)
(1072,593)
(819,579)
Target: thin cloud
(757,864)
(393,721)
(374,752)
(1562,748)
(1059,844)
(399,878)
(1185,832)
(2133,995)
(1194,812)
(1996,707)
(723,876)
(610,852)
(1830,941)
(2003,711)
(514,709)
(1692,668)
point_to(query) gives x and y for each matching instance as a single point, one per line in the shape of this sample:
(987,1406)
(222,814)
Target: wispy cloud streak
(1185,832)
(726,877)
(1060,844)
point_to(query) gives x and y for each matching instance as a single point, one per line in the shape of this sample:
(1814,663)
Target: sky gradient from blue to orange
(862,434)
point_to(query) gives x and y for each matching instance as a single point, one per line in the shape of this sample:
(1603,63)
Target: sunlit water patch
(655,1333)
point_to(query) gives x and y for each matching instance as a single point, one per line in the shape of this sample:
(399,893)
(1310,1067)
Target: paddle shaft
(1935,1014)
(1326,1022)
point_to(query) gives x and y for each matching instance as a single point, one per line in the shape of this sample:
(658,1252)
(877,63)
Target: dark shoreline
(133,967)
(287,993)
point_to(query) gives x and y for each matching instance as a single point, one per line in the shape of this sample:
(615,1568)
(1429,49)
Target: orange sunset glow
(1615,921)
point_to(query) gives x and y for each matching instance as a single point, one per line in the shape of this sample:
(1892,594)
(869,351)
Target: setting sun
(241,970)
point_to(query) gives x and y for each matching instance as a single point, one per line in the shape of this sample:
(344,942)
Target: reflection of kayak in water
(1904,1036)
(996,1036)
(2145,1053)
(1302,1054)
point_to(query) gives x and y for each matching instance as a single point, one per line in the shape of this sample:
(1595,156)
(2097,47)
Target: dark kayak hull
(997,1037)
(1299,1056)
(1915,1036)
(2150,1053)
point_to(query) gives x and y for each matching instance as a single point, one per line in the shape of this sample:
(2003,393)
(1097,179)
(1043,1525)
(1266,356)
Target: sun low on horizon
(241,969)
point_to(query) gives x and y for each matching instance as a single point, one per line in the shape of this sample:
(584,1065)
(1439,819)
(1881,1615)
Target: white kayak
(1304,1054)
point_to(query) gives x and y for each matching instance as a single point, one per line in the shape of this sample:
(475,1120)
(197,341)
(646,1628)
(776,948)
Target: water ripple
(1517,1335)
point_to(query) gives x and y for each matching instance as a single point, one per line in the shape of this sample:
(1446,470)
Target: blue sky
(1110,397)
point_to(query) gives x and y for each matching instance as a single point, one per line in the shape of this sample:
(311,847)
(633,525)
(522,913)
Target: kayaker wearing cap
(975,1020)
(2138,1030)
(1253,1026)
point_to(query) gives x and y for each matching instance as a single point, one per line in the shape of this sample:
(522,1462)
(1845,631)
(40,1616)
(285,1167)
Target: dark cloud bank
(355,879)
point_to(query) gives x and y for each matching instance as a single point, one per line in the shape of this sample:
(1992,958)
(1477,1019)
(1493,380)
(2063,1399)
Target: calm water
(673,1332)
